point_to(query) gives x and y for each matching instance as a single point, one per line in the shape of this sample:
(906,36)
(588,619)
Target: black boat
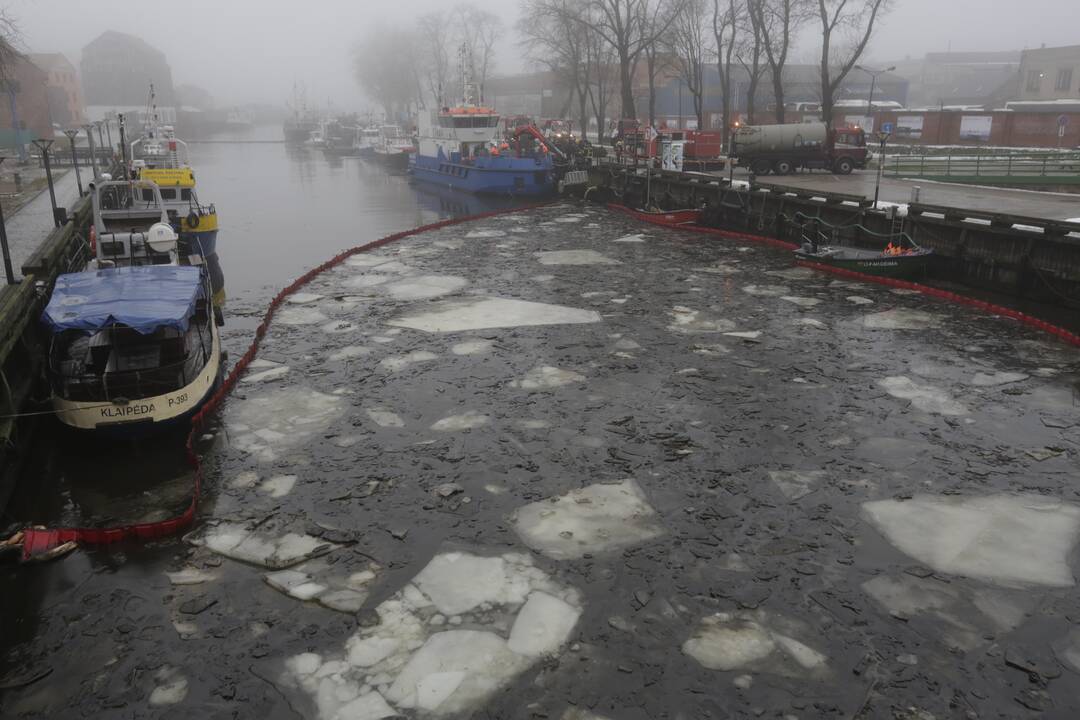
(907,264)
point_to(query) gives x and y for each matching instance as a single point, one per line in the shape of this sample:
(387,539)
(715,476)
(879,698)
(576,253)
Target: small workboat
(393,148)
(131,349)
(369,140)
(911,262)
(686,216)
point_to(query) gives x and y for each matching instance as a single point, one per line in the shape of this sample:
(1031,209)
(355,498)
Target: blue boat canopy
(143,297)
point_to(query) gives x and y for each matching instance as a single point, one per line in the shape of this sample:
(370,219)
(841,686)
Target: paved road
(33,222)
(1058,206)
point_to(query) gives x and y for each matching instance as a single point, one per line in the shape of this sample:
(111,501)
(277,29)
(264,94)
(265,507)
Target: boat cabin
(131,224)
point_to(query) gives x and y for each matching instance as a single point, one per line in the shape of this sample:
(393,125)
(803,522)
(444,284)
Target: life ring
(193,219)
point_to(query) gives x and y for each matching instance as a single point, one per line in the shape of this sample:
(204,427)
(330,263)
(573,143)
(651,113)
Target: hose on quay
(40,542)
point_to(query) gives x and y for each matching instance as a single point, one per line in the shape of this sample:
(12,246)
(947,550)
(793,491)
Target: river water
(558,464)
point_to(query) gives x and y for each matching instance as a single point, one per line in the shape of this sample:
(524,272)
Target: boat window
(167,194)
(148,195)
(185,194)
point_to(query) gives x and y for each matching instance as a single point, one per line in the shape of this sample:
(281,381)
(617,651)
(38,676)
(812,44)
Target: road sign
(887,128)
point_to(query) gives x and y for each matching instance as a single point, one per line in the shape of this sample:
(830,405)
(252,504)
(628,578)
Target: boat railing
(815,231)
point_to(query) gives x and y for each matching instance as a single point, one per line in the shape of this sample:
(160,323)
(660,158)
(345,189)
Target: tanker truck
(783,149)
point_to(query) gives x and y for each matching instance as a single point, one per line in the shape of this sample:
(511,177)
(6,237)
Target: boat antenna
(467,87)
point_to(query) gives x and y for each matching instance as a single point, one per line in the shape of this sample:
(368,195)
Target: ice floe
(1004,539)
(547,377)
(795,484)
(689,322)
(266,375)
(858,300)
(237,541)
(745,334)
(766,290)
(371,260)
(173,687)
(638,238)
(573,257)
(923,397)
(793,274)
(901,319)
(278,486)
(280,419)
(465,421)
(505,615)
(395,363)
(477,234)
(1001,378)
(472,347)
(321,582)
(490,312)
(302,298)
(721,268)
(754,641)
(385,418)
(424,287)
(190,576)
(300,315)
(349,352)
(801,301)
(593,519)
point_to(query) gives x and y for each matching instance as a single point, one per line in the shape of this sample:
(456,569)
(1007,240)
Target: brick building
(64,89)
(24,105)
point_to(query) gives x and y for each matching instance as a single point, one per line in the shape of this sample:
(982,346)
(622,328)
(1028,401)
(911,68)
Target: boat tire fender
(193,219)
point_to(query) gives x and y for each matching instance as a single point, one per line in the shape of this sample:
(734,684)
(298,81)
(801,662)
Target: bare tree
(478,30)
(778,21)
(603,78)
(385,67)
(556,41)
(846,28)
(434,64)
(629,26)
(688,45)
(750,54)
(726,24)
(658,55)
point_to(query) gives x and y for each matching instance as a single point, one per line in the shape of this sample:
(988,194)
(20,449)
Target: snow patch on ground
(593,519)
(1004,539)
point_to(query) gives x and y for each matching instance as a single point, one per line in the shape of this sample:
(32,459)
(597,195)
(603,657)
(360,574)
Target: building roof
(974,58)
(51,61)
(112,38)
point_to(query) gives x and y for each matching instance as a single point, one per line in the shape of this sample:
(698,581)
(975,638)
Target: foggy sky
(253,50)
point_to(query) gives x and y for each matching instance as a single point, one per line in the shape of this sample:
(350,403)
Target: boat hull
(889,266)
(674,217)
(398,161)
(518,178)
(145,415)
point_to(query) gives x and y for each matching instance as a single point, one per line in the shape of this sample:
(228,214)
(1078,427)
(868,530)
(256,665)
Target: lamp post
(873,81)
(101,138)
(89,127)
(43,146)
(108,131)
(75,158)
(884,138)
(4,243)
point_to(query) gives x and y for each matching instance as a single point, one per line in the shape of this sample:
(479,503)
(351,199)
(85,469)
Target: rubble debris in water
(489,312)
(466,421)
(900,319)
(923,397)
(593,519)
(236,541)
(412,661)
(547,378)
(573,257)
(754,641)
(1003,539)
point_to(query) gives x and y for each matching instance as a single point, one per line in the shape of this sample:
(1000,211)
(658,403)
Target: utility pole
(873,81)
(75,158)
(89,127)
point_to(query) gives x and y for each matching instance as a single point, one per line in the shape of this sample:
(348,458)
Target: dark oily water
(559,464)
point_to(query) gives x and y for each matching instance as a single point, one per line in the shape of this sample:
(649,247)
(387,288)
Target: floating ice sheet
(299,315)
(477,234)
(238,542)
(172,688)
(385,418)
(1005,539)
(801,301)
(573,257)
(766,290)
(796,484)
(1001,378)
(638,238)
(278,486)
(395,363)
(754,641)
(793,273)
(320,581)
(593,519)
(190,576)
(473,347)
(547,377)
(424,287)
(689,322)
(413,662)
(302,298)
(901,319)
(465,421)
(489,312)
(280,419)
(266,375)
(349,352)
(923,397)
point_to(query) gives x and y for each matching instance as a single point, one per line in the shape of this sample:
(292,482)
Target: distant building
(117,70)
(1050,74)
(960,79)
(65,92)
(538,95)
(24,104)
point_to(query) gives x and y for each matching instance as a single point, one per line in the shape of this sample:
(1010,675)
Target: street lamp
(75,158)
(101,138)
(89,127)
(4,243)
(884,138)
(43,146)
(873,81)
(108,131)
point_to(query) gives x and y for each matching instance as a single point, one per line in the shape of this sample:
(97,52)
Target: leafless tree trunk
(749,56)
(555,40)
(850,20)
(778,20)
(688,46)
(725,22)
(435,65)
(478,29)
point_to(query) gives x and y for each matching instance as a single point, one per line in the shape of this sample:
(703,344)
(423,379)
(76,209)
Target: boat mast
(468,89)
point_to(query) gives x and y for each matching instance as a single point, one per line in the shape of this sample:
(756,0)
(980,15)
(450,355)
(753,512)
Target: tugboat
(461,148)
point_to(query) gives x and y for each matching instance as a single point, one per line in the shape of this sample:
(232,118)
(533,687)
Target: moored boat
(131,349)
(369,140)
(908,264)
(394,148)
(688,216)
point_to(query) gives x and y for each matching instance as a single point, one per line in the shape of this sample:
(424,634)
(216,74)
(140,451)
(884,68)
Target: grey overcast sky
(253,50)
